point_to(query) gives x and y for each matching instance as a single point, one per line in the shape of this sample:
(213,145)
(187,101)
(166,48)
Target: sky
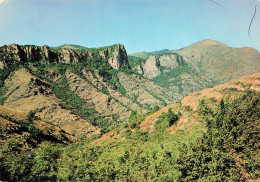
(141,25)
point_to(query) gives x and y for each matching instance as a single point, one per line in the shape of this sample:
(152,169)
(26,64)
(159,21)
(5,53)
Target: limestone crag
(15,53)
(119,58)
(155,65)
(151,67)
(115,55)
(170,61)
(72,56)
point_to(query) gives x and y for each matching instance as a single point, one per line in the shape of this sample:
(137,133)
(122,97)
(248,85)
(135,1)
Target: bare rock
(150,67)
(119,58)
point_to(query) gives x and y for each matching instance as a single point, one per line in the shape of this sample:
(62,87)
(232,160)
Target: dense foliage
(227,151)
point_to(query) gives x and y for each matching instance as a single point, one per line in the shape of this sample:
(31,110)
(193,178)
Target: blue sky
(141,25)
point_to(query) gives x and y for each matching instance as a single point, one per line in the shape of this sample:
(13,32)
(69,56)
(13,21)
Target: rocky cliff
(115,55)
(155,65)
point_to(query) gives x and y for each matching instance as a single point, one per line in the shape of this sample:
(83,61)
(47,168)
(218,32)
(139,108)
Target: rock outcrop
(119,58)
(170,61)
(155,65)
(151,67)
(115,55)
(14,53)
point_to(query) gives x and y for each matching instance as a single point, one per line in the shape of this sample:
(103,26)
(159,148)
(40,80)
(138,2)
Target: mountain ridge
(100,87)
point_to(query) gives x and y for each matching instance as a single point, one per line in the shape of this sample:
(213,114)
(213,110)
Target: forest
(225,147)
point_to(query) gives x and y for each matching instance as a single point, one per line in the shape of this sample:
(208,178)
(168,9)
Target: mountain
(200,65)
(219,62)
(83,91)
(90,115)
(69,46)
(145,55)
(88,91)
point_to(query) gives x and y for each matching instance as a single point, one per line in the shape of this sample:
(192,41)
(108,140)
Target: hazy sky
(141,25)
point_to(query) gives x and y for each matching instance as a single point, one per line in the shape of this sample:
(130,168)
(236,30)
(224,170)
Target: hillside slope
(215,141)
(201,65)
(189,104)
(80,90)
(221,63)
(29,129)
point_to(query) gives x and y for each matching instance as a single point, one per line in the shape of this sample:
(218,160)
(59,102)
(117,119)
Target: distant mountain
(219,62)
(142,55)
(145,55)
(69,46)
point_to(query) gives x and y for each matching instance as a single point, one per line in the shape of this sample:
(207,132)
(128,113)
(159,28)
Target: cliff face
(14,53)
(170,61)
(119,58)
(155,65)
(150,67)
(115,55)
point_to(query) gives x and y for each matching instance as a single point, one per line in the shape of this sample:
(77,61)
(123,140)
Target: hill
(221,63)
(145,55)
(213,132)
(87,91)
(29,129)
(200,65)
(69,46)
(79,90)
(189,104)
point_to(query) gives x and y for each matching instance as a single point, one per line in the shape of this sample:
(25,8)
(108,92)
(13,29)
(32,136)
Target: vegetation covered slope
(80,90)
(204,64)
(221,63)
(30,129)
(223,146)
(89,93)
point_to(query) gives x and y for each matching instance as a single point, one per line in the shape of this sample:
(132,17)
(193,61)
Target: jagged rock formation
(13,53)
(150,68)
(119,58)
(155,65)
(170,61)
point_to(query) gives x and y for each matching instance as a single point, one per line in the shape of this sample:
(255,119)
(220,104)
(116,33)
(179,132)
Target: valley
(105,115)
